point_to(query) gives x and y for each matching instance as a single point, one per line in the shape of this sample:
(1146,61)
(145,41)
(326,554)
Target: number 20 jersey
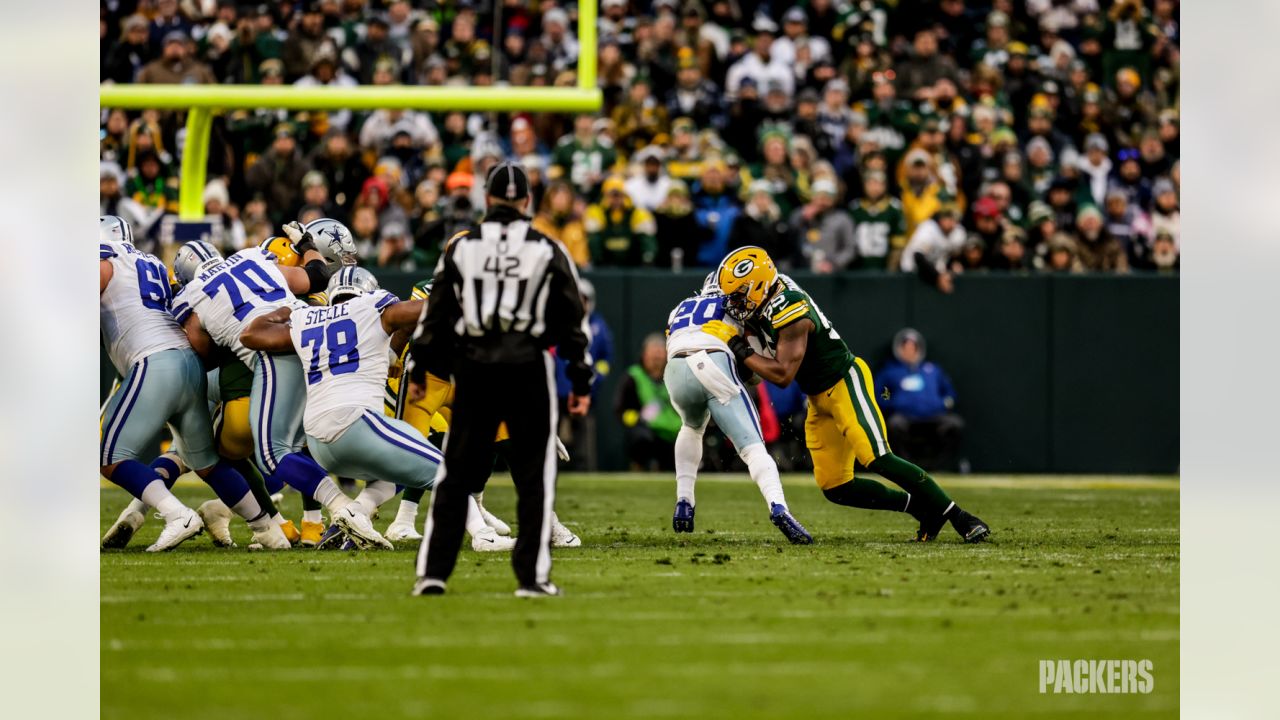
(345,353)
(134,313)
(684,325)
(226,294)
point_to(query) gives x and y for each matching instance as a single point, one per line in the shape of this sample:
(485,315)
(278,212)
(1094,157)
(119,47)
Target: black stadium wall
(1064,374)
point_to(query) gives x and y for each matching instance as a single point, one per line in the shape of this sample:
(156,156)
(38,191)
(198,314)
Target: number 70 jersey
(227,293)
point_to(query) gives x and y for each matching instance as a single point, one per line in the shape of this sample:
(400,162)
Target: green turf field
(731,622)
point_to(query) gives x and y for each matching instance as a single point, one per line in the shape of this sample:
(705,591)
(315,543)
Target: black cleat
(971,529)
(682,520)
(930,528)
(428,586)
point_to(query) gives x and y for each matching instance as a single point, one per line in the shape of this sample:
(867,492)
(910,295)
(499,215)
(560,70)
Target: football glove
(300,238)
(720,329)
(740,348)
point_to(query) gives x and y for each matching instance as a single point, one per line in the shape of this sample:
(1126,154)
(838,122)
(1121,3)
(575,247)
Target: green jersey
(583,165)
(878,227)
(826,358)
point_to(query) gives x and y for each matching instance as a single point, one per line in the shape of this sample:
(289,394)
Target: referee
(504,294)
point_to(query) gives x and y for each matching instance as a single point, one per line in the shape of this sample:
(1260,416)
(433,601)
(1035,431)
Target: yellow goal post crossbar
(203,101)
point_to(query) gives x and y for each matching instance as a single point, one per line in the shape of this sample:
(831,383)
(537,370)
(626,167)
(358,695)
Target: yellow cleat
(290,531)
(311,533)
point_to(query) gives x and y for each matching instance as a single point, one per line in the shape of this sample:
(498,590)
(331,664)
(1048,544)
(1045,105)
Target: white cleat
(270,539)
(561,536)
(123,530)
(360,529)
(493,521)
(217,520)
(398,531)
(488,540)
(185,526)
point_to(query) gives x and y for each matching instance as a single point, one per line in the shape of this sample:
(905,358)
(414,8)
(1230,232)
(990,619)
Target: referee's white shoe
(536,591)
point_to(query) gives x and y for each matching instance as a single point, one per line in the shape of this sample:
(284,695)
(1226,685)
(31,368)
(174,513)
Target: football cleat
(123,530)
(536,591)
(783,520)
(332,538)
(682,521)
(348,544)
(397,531)
(187,525)
(273,538)
(290,532)
(217,520)
(311,533)
(360,529)
(971,529)
(428,586)
(930,527)
(492,520)
(488,540)
(561,536)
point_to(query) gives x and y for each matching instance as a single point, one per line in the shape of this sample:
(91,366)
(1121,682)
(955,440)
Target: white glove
(561,451)
(294,231)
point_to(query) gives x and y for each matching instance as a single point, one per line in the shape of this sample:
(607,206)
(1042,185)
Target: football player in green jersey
(844,423)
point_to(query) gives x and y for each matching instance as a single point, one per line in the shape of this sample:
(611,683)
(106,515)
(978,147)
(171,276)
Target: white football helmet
(190,257)
(113,228)
(349,282)
(333,241)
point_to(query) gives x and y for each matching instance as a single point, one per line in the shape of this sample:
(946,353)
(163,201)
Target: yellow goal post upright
(203,101)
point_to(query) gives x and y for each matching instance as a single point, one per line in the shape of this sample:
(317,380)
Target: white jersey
(684,325)
(227,293)
(134,313)
(345,353)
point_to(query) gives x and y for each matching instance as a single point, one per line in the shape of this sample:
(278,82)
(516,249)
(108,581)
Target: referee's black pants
(485,394)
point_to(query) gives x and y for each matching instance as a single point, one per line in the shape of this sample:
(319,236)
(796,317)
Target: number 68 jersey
(227,293)
(346,353)
(134,309)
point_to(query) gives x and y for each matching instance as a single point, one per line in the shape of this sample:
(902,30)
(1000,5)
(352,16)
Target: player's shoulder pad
(790,305)
(384,299)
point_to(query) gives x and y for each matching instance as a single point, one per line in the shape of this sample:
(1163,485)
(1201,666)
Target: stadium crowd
(934,136)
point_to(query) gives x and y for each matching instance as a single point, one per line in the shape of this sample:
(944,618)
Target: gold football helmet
(746,276)
(283,251)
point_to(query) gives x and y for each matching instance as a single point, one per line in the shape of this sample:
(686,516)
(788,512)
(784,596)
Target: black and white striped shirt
(504,293)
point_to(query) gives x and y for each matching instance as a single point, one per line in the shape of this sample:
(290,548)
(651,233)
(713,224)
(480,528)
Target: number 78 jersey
(346,353)
(227,293)
(684,325)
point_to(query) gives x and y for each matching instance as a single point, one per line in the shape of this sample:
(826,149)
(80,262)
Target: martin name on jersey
(346,353)
(228,293)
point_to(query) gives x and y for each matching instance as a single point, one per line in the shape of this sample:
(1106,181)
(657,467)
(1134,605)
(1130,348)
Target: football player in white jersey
(164,382)
(703,382)
(347,349)
(217,298)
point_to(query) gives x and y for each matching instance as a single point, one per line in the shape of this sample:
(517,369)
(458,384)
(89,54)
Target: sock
(868,494)
(475,521)
(688,458)
(310,503)
(927,498)
(374,494)
(257,485)
(229,485)
(312,516)
(253,514)
(330,495)
(764,471)
(302,474)
(408,512)
(135,477)
(167,467)
(413,495)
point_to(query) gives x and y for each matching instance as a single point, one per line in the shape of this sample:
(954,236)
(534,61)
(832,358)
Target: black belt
(687,353)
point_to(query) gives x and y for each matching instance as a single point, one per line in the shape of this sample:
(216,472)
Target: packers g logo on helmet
(282,250)
(746,276)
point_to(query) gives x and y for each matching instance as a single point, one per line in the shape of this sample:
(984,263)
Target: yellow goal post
(202,102)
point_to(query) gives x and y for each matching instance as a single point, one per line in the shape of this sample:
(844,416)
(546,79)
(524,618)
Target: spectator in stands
(642,404)
(315,193)
(648,187)
(922,194)
(556,218)
(822,233)
(153,183)
(618,232)
(678,231)
(761,224)
(175,64)
(1097,249)
(1096,167)
(935,241)
(227,228)
(918,402)
(277,175)
(1165,215)
(1130,226)
(113,201)
(759,64)
(715,208)
(1060,256)
(168,19)
(879,224)
(325,71)
(128,56)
